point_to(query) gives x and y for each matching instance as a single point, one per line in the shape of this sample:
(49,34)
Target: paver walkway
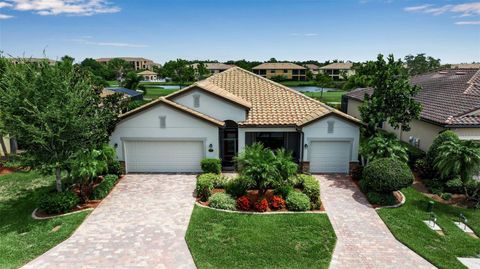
(141,224)
(363,240)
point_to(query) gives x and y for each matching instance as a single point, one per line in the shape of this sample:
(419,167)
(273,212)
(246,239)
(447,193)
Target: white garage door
(329,157)
(163,156)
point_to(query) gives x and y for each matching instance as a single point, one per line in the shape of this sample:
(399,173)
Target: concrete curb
(34,214)
(397,205)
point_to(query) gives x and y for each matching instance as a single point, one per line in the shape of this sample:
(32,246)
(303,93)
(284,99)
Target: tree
(460,158)
(201,71)
(272,60)
(131,81)
(85,166)
(117,68)
(179,71)
(324,80)
(382,146)
(67,59)
(420,64)
(53,111)
(392,100)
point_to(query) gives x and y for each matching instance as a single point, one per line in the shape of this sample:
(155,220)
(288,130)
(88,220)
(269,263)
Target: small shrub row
(238,186)
(222,200)
(211,165)
(311,188)
(205,185)
(59,202)
(297,201)
(104,188)
(384,199)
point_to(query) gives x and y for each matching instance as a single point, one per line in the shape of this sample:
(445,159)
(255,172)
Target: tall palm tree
(458,158)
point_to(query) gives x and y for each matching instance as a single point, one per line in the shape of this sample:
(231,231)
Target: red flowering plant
(261,205)
(277,202)
(243,203)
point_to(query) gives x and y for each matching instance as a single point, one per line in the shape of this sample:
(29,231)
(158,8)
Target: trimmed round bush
(383,199)
(297,201)
(238,186)
(59,202)
(311,188)
(205,184)
(386,175)
(211,165)
(103,189)
(222,200)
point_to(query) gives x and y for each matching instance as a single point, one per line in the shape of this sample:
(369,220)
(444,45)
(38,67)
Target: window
(196,100)
(163,122)
(331,125)
(285,71)
(272,71)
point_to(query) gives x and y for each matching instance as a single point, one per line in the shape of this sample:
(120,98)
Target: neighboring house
(148,75)
(290,71)
(338,71)
(214,68)
(315,69)
(219,116)
(465,66)
(133,95)
(138,63)
(450,101)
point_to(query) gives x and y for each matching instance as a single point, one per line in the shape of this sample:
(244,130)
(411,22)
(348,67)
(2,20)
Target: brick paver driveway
(141,224)
(363,240)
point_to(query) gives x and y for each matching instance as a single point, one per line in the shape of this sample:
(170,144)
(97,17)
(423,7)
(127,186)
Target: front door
(229,145)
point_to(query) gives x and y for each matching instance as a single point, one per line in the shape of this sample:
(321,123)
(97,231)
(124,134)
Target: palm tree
(458,158)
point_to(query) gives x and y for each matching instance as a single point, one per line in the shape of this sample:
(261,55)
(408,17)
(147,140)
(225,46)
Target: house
(132,94)
(465,66)
(138,63)
(217,117)
(315,69)
(214,68)
(148,75)
(338,71)
(450,100)
(289,71)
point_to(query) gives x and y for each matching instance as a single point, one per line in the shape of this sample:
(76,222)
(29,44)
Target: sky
(162,30)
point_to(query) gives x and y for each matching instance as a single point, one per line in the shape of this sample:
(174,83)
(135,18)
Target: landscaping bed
(219,239)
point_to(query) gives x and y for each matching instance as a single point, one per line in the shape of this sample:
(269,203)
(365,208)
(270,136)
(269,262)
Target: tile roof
(463,66)
(341,66)
(447,96)
(147,72)
(185,109)
(272,103)
(312,66)
(278,66)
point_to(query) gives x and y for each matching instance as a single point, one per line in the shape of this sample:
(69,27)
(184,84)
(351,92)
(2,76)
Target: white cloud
(467,23)
(5,4)
(87,40)
(5,16)
(467,9)
(69,7)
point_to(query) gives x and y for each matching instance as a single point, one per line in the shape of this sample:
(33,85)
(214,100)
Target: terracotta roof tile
(341,66)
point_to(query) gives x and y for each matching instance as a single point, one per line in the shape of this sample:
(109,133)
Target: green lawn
(406,224)
(229,240)
(21,237)
(327,97)
(155,92)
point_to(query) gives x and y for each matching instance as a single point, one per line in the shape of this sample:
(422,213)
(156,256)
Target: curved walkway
(141,224)
(363,240)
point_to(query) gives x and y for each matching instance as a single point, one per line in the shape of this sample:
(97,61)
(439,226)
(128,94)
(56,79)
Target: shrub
(383,146)
(311,187)
(434,186)
(446,196)
(414,154)
(205,184)
(454,185)
(243,203)
(383,199)
(423,169)
(285,165)
(357,172)
(211,165)
(277,203)
(283,190)
(297,201)
(115,168)
(59,202)
(387,175)
(261,205)
(238,186)
(220,181)
(104,188)
(222,200)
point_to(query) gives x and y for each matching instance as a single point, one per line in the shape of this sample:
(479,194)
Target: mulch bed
(253,196)
(458,200)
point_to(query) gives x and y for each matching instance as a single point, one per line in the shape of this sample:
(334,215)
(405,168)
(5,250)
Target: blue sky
(161,30)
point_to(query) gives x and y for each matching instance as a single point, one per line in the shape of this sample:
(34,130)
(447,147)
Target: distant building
(127,93)
(214,68)
(315,69)
(338,71)
(290,71)
(138,63)
(148,75)
(465,66)
(32,60)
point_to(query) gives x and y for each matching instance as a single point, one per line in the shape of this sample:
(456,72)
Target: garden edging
(34,215)
(261,213)
(397,205)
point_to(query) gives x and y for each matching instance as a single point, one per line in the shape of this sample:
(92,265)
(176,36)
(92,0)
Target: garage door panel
(164,156)
(329,156)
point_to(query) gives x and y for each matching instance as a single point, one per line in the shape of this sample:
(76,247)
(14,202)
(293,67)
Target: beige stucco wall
(468,133)
(7,144)
(424,131)
(353,108)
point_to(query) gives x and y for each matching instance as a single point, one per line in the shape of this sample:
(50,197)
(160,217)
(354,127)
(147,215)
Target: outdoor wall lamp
(210,148)
(306,146)
(115,145)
